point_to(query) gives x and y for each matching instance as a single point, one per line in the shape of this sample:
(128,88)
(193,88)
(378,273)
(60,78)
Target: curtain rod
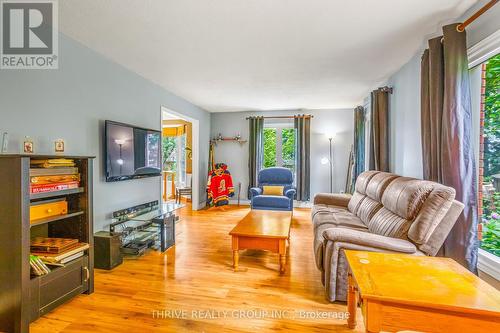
(386,89)
(461,27)
(282,117)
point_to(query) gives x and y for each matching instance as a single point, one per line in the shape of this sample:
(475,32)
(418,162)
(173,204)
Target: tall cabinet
(24,298)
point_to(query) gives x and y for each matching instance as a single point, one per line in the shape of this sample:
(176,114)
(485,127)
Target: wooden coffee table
(404,292)
(262,230)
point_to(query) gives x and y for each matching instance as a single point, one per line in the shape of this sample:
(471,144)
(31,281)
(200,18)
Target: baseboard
(244,202)
(302,204)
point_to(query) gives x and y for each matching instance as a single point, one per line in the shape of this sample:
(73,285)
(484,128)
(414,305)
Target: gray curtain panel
(379,134)
(447,150)
(302,126)
(256,149)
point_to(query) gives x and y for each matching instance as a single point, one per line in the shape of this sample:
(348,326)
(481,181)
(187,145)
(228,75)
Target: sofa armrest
(367,239)
(334,199)
(290,193)
(254,191)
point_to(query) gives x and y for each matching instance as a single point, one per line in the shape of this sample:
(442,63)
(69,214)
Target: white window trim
(489,263)
(484,49)
(477,54)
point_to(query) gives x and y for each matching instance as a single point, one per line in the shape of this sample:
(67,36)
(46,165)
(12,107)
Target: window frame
(280,126)
(478,54)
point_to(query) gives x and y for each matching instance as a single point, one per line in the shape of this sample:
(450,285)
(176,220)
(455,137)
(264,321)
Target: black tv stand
(145,226)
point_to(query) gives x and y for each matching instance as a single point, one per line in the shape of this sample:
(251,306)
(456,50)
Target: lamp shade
(330,135)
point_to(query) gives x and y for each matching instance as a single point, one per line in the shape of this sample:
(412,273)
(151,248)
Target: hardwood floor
(188,288)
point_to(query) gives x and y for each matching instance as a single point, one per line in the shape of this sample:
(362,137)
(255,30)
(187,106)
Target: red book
(43,188)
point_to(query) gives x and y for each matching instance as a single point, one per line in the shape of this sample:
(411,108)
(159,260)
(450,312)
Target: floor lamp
(330,138)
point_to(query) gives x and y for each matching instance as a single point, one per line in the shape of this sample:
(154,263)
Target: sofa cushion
(367,208)
(404,196)
(278,201)
(355,201)
(432,213)
(378,183)
(363,180)
(339,218)
(326,209)
(386,223)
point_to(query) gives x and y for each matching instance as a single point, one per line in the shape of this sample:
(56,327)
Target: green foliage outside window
(492,118)
(288,147)
(491,134)
(269,147)
(491,224)
(168,147)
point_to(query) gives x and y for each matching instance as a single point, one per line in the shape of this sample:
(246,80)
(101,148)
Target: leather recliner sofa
(386,213)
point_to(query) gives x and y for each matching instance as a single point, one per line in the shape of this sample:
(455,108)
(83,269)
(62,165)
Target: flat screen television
(131,152)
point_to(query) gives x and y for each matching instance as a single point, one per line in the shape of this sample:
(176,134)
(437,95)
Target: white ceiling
(240,55)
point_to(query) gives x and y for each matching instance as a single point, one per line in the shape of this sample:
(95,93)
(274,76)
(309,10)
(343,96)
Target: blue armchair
(273,177)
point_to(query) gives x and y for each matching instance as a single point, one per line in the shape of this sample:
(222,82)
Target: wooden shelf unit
(25,298)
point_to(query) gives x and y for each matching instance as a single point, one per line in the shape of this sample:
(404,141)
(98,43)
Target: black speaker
(107,253)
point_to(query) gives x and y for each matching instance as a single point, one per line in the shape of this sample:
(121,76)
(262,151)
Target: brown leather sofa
(386,213)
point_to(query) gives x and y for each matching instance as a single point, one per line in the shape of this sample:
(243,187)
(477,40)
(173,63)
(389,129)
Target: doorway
(180,155)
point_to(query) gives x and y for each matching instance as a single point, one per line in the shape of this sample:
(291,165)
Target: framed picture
(59,146)
(28,146)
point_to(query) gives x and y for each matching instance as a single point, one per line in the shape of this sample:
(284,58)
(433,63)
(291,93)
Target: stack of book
(53,175)
(38,267)
(57,250)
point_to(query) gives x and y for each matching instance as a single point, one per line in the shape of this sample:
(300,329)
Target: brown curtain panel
(379,134)
(302,126)
(447,152)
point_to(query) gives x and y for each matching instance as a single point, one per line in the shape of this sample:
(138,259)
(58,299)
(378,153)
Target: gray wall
(405,143)
(72,102)
(339,121)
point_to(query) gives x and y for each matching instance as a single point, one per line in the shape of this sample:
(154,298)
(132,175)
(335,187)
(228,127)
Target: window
(174,156)
(484,69)
(489,155)
(279,146)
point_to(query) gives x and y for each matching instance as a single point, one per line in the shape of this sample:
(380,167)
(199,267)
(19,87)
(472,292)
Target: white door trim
(196,153)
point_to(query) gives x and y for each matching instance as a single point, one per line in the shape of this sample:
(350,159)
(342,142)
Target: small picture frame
(59,146)
(28,146)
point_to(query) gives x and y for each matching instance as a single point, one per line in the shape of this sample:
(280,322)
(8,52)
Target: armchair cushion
(369,239)
(270,201)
